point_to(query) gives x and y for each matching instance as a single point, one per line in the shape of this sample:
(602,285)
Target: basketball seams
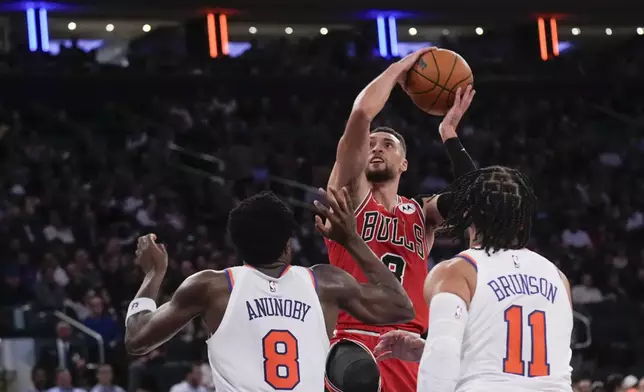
(429,84)
(424,77)
(451,71)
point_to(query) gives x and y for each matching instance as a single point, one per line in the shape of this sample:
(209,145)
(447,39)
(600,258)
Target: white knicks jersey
(519,328)
(272,336)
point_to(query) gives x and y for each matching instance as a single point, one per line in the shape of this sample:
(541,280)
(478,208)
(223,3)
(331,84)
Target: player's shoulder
(208,280)
(455,271)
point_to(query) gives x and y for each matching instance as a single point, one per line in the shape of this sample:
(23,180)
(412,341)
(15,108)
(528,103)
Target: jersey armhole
(231,279)
(314,279)
(470,260)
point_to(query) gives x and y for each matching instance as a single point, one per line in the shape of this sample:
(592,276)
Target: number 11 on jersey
(513,362)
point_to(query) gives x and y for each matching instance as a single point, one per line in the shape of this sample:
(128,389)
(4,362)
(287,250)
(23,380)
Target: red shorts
(395,375)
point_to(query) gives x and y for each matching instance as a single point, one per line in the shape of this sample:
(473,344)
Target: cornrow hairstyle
(498,201)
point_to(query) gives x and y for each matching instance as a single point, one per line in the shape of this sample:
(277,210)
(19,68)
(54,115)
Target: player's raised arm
(353,148)
(436,207)
(380,301)
(148,327)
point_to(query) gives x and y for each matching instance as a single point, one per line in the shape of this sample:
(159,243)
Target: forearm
(136,322)
(461,161)
(377,273)
(372,99)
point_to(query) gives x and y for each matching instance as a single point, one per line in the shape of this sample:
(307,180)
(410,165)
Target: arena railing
(87,331)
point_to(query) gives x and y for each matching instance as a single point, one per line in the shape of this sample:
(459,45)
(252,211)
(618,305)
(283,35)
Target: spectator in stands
(105,378)
(103,322)
(38,379)
(575,237)
(49,294)
(66,353)
(64,383)
(14,291)
(192,381)
(586,292)
(629,384)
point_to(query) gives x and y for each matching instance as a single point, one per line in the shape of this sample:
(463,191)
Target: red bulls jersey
(398,238)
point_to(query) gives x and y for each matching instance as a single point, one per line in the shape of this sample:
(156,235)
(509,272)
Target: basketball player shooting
(400,231)
(501,315)
(269,322)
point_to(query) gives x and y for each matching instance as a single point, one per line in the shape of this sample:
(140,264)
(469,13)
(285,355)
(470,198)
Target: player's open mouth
(377,160)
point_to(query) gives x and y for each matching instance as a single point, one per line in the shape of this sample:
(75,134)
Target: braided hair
(498,201)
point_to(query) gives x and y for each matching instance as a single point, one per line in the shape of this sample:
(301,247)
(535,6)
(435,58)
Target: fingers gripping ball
(433,81)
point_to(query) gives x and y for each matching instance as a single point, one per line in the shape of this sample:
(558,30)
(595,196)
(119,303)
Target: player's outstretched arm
(436,207)
(353,149)
(148,327)
(380,301)
(375,302)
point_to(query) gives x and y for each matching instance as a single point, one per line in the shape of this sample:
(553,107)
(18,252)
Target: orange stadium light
(554,36)
(223,32)
(212,35)
(543,45)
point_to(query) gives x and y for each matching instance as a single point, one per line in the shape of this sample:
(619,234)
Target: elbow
(361,113)
(134,346)
(406,313)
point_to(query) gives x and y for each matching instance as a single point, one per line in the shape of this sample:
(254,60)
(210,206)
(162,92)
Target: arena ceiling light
(288,30)
(71,26)
(413,31)
(109,27)
(640,31)
(575,31)
(609,31)
(252,30)
(324,31)
(146,28)
(479,31)
(445,32)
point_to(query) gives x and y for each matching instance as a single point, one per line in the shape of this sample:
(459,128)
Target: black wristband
(462,163)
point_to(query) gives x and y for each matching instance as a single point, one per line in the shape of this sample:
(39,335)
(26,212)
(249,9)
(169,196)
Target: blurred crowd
(82,176)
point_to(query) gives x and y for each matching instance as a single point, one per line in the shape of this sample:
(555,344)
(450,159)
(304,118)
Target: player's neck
(386,193)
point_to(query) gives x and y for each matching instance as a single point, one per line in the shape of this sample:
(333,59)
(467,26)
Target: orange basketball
(433,81)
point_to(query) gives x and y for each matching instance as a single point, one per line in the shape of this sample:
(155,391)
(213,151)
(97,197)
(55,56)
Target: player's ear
(403,167)
(288,251)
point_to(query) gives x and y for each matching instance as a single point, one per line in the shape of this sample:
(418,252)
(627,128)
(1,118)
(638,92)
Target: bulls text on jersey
(388,229)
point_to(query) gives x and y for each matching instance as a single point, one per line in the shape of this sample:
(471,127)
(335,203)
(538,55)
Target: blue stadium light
(393,36)
(31,30)
(44,30)
(382,36)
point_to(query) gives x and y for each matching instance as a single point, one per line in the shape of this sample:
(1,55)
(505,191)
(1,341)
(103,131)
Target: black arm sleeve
(462,163)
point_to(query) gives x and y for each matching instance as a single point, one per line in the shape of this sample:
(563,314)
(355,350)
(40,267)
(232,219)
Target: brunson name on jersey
(390,229)
(277,307)
(517,284)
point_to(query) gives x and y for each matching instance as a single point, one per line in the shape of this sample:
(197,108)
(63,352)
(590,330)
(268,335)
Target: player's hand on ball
(462,102)
(408,62)
(402,345)
(152,257)
(340,225)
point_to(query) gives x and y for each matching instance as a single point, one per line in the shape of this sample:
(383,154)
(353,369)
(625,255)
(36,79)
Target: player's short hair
(499,202)
(393,132)
(260,228)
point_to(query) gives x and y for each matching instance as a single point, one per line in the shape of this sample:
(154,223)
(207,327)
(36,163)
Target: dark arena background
(123,117)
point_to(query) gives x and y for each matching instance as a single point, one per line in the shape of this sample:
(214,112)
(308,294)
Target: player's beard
(382,175)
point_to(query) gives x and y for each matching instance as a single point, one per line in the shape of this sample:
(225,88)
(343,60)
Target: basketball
(433,81)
